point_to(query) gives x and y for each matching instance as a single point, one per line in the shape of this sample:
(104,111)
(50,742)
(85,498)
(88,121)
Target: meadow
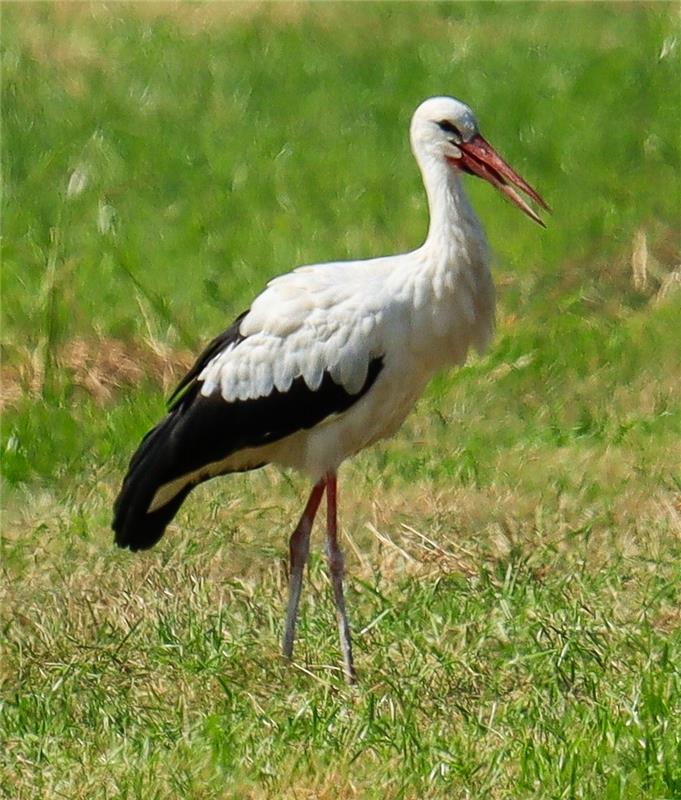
(513,554)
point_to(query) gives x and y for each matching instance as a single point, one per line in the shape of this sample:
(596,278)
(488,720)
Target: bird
(330,358)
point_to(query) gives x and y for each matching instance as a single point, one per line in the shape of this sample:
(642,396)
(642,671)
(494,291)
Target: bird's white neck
(453,224)
(449,278)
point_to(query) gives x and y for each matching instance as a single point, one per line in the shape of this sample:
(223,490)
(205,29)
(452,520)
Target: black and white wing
(306,350)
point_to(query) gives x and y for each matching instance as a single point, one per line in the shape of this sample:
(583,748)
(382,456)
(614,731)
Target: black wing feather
(231,336)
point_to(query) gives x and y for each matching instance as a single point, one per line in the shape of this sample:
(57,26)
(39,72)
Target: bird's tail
(140,519)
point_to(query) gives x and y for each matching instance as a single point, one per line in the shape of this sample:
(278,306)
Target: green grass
(513,554)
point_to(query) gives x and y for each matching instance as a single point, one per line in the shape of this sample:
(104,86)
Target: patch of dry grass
(100,366)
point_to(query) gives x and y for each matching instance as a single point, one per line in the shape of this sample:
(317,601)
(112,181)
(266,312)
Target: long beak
(478,157)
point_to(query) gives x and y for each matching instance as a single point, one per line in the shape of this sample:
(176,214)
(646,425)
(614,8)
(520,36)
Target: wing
(302,352)
(281,367)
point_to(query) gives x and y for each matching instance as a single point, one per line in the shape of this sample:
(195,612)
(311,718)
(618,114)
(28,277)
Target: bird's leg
(335,557)
(299,547)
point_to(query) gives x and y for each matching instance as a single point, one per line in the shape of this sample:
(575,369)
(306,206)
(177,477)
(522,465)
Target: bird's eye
(447,127)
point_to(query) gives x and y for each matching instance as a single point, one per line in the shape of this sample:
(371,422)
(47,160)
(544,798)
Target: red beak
(478,157)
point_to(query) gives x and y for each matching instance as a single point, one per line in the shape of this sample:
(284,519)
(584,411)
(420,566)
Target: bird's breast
(451,310)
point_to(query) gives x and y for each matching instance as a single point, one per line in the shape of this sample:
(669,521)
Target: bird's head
(444,130)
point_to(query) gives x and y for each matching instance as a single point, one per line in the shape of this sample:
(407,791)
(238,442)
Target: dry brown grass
(99,365)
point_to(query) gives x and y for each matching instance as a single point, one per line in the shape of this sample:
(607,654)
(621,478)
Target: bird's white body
(421,310)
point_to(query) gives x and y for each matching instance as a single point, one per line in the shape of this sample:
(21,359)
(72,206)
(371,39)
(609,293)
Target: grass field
(513,555)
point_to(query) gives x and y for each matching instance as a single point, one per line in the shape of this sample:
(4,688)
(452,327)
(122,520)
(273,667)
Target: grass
(513,554)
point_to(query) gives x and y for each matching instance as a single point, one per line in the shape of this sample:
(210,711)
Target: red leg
(335,557)
(299,548)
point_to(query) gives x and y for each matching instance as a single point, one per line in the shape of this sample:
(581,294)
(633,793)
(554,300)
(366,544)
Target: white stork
(330,358)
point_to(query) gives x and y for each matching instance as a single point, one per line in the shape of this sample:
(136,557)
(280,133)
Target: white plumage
(332,357)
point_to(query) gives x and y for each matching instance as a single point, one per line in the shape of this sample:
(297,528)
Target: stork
(330,358)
